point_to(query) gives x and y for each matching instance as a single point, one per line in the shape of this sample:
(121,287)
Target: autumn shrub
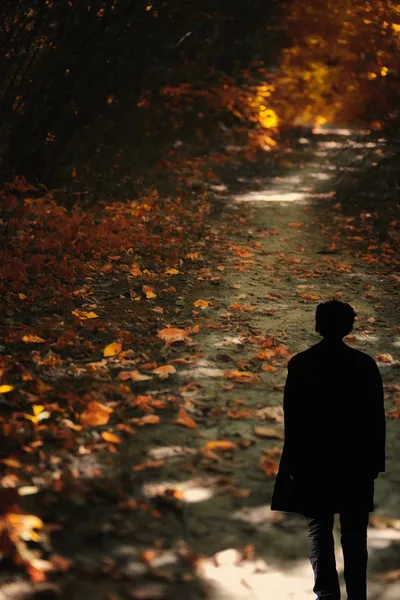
(48,251)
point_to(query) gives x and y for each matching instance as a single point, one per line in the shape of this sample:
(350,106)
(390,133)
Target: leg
(355,554)
(322,557)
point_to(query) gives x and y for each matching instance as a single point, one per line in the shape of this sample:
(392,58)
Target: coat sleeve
(290,426)
(376,418)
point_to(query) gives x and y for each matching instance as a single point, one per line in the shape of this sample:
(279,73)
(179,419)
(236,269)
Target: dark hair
(334,319)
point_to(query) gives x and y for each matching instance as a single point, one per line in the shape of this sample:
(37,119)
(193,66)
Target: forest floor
(174,501)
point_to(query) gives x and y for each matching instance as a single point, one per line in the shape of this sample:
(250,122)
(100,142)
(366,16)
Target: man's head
(334,319)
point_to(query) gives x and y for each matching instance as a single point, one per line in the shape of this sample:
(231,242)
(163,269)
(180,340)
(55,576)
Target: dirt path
(287,243)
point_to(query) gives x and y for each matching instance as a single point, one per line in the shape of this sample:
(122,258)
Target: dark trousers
(355,555)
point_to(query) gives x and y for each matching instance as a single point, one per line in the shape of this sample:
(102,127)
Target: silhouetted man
(334,448)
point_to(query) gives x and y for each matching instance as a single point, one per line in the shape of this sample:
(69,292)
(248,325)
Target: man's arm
(377,419)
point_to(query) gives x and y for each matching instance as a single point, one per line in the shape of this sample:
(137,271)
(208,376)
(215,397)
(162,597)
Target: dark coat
(335,431)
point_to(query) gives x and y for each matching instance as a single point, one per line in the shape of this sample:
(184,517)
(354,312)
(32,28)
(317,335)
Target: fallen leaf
(164,371)
(12,462)
(268,432)
(148,291)
(112,349)
(265,354)
(172,272)
(220,445)
(389,576)
(34,339)
(151,464)
(22,525)
(273,413)
(81,314)
(95,414)
(387,358)
(110,437)
(268,466)
(146,420)
(170,335)
(201,304)
(268,367)
(4,389)
(135,270)
(133,375)
(184,419)
(242,376)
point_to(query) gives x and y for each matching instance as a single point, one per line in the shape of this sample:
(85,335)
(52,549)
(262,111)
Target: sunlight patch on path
(269,196)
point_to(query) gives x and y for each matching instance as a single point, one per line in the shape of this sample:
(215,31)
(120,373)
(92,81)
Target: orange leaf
(133,375)
(242,376)
(267,367)
(164,371)
(32,339)
(170,335)
(201,304)
(149,292)
(95,414)
(12,462)
(387,358)
(110,437)
(112,349)
(268,466)
(146,420)
(135,270)
(236,307)
(220,445)
(265,354)
(184,419)
(152,464)
(268,432)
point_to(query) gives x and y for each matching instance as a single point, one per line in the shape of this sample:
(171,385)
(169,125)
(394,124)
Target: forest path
(294,246)
(287,243)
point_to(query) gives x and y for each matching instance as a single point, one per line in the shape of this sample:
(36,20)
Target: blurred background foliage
(106,87)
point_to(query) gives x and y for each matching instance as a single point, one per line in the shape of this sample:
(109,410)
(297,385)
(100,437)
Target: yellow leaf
(172,272)
(22,525)
(110,437)
(22,296)
(201,304)
(81,314)
(32,339)
(112,349)
(164,371)
(4,389)
(37,409)
(149,292)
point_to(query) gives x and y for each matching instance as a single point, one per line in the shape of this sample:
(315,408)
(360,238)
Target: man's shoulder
(351,355)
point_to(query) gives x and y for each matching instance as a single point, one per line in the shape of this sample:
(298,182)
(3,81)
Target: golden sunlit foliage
(342,64)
